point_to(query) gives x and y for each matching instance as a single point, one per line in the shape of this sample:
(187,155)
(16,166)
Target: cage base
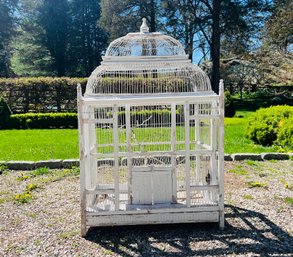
(96,220)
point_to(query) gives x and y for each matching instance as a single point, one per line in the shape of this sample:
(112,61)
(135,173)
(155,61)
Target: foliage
(264,125)
(229,105)
(279,28)
(40,94)
(253,184)
(42,120)
(7,31)
(5,112)
(30,56)
(87,40)
(55,31)
(289,200)
(239,170)
(24,197)
(40,171)
(120,17)
(285,134)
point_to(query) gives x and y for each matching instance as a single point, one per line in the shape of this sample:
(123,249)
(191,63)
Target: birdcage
(151,137)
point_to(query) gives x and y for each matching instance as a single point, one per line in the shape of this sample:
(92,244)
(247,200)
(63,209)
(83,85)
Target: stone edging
(68,163)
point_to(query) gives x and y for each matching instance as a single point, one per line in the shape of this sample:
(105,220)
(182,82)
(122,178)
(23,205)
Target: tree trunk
(153,16)
(215,47)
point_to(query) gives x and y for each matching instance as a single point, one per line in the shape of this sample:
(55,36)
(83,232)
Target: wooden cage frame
(151,213)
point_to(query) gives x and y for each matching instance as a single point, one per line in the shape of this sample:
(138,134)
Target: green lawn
(63,143)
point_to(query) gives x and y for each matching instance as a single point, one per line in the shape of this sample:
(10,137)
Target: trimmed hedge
(42,94)
(144,118)
(268,124)
(42,121)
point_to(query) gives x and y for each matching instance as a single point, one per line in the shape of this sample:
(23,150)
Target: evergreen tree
(121,17)
(7,31)
(87,39)
(30,55)
(54,19)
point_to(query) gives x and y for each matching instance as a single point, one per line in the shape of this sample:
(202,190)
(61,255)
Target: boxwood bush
(42,121)
(285,134)
(265,125)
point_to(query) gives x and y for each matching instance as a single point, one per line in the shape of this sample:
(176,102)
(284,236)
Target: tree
(279,26)
(87,40)
(121,17)
(7,31)
(54,20)
(205,24)
(30,56)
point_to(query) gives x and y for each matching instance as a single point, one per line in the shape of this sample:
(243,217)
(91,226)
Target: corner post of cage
(221,155)
(81,160)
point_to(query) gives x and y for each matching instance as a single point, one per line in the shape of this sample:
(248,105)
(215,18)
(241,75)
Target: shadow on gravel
(245,232)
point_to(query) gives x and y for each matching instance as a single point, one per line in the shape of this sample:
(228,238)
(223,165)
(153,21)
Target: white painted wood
(151,185)
(82,162)
(129,149)
(150,179)
(159,208)
(166,218)
(116,155)
(173,150)
(221,155)
(187,153)
(137,100)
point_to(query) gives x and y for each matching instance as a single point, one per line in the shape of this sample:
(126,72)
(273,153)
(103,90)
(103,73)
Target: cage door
(151,185)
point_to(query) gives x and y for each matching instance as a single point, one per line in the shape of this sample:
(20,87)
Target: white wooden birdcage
(151,137)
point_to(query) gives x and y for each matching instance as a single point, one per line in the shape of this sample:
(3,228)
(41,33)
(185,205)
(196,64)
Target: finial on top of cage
(144,27)
(221,86)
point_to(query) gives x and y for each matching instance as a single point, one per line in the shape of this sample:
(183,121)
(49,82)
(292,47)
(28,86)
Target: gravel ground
(258,218)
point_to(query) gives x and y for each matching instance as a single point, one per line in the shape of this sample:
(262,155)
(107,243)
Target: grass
(47,144)
(238,170)
(253,184)
(289,200)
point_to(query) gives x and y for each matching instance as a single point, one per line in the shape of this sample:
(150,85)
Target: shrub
(264,125)
(42,121)
(285,134)
(229,105)
(5,112)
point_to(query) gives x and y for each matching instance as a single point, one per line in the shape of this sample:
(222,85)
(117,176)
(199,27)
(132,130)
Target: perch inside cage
(151,137)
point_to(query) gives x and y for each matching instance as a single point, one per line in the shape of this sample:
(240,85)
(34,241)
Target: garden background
(48,46)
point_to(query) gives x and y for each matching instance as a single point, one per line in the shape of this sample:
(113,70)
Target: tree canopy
(68,37)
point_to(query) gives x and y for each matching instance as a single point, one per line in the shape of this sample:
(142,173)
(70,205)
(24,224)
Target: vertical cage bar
(129,160)
(116,155)
(173,149)
(197,140)
(187,153)
(93,147)
(213,141)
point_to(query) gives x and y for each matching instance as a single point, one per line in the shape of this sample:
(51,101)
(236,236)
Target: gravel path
(258,218)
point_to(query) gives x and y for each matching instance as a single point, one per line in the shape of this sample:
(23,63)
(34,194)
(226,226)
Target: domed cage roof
(143,63)
(145,44)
